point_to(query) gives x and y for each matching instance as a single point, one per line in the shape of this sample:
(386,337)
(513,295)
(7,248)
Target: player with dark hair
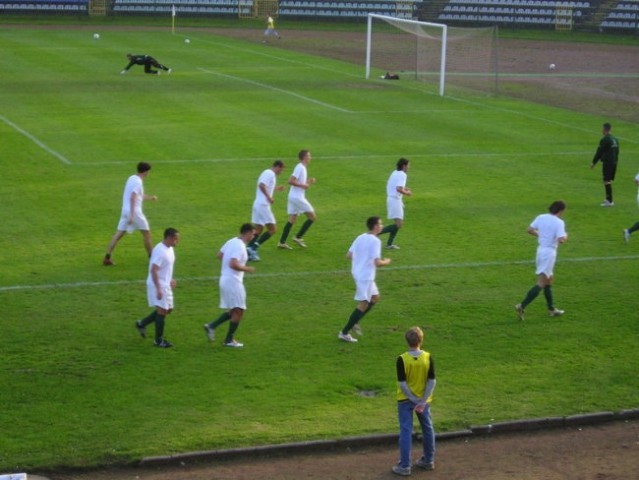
(159,287)
(297,203)
(262,213)
(148,61)
(365,255)
(550,230)
(232,292)
(395,189)
(132,218)
(608,153)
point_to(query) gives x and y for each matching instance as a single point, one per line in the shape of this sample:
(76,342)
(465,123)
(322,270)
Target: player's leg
(114,241)
(146,239)
(236,318)
(310,219)
(292,218)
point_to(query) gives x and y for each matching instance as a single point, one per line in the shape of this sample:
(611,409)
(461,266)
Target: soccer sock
(220,320)
(531,295)
(393,234)
(253,242)
(368,309)
(232,327)
(159,327)
(107,256)
(548,295)
(608,188)
(265,236)
(305,227)
(355,317)
(150,319)
(285,232)
(634,228)
(386,229)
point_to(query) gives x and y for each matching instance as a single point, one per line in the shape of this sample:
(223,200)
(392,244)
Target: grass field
(81,388)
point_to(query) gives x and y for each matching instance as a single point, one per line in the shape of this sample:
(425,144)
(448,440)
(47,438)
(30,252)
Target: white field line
(348,157)
(40,144)
(275,89)
(439,266)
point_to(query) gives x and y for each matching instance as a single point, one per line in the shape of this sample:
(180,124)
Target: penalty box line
(437,266)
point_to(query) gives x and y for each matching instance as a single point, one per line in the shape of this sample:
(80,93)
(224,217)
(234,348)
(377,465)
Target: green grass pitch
(81,388)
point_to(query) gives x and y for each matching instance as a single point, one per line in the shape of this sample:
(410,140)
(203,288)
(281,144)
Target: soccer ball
(96,35)
(187,41)
(552,66)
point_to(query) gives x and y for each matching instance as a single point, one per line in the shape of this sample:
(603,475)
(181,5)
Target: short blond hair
(414,337)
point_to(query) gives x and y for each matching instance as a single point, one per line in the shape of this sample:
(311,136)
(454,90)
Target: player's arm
(156,280)
(532,231)
(563,239)
(404,190)
(126,69)
(132,200)
(296,183)
(152,198)
(380,262)
(264,189)
(236,265)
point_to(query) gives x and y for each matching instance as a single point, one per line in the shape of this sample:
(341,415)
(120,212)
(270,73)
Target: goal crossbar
(414,23)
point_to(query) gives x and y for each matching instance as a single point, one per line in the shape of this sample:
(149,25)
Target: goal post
(410,26)
(433,53)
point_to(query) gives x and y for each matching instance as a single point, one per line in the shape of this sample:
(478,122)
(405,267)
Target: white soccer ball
(96,35)
(187,41)
(552,66)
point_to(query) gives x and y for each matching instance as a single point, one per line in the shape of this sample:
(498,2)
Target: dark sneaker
(107,262)
(162,344)
(141,329)
(403,471)
(424,465)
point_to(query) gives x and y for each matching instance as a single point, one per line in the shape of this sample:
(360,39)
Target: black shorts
(609,170)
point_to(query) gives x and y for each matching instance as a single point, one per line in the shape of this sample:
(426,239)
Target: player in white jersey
(159,287)
(395,190)
(234,256)
(550,230)
(365,255)
(262,213)
(132,218)
(635,227)
(297,203)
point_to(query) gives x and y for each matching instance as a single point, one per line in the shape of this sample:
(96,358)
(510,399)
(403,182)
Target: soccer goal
(432,52)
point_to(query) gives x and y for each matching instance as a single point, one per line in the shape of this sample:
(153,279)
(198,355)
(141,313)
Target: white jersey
(133,185)
(364,251)
(269,179)
(234,248)
(397,179)
(164,258)
(550,229)
(300,175)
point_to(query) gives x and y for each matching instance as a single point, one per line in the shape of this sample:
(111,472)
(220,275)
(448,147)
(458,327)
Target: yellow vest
(416,369)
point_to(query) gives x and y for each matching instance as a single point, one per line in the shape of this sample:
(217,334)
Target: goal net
(432,52)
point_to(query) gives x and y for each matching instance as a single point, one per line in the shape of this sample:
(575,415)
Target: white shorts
(166,302)
(232,293)
(365,290)
(546,261)
(262,215)
(297,206)
(139,223)
(395,208)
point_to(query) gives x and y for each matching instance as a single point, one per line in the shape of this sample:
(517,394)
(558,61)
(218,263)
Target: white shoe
(284,246)
(392,247)
(520,311)
(606,203)
(169,71)
(357,330)
(234,344)
(210,332)
(346,338)
(555,312)
(299,241)
(626,236)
